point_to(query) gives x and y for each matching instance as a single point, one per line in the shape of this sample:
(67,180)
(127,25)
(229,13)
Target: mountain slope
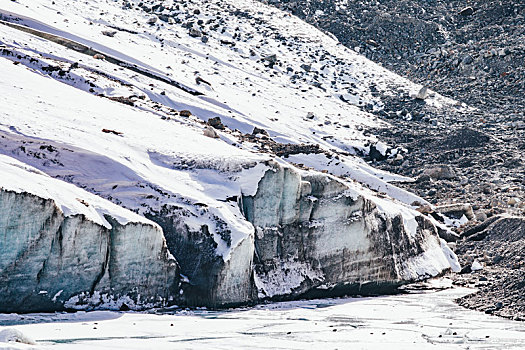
(138,108)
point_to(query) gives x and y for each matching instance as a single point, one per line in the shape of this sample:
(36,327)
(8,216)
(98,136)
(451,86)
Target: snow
(52,145)
(240,111)
(430,263)
(476,266)
(61,113)
(57,295)
(381,148)
(12,335)
(100,161)
(359,171)
(19,177)
(234,76)
(423,321)
(451,257)
(452,222)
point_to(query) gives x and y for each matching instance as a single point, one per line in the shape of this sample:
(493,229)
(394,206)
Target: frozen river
(415,321)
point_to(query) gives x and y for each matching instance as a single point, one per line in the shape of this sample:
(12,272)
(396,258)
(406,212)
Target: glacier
(316,235)
(62,248)
(112,196)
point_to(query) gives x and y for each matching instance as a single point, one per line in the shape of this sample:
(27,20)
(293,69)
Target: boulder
(456,210)
(216,123)
(210,132)
(467,11)
(440,172)
(195,33)
(422,93)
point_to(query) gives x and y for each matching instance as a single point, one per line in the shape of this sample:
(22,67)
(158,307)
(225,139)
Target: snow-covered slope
(114,99)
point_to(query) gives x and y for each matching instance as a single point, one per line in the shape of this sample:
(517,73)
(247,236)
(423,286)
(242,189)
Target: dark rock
(374,154)
(125,100)
(467,59)
(270,59)
(216,123)
(424,178)
(185,113)
(440,172)
(152,20)
(466,269)
(199,80)
(195,33)
(257,131)
(465,138)
(110,33)
(467,11)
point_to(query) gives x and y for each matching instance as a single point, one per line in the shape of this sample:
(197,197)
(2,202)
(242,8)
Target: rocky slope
(493,263)
(470,51)
(235,127)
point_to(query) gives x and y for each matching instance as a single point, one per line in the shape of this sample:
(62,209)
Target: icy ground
(414,321)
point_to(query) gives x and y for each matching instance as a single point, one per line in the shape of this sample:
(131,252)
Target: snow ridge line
(76,46)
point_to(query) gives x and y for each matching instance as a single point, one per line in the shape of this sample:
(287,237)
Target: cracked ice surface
(413,321)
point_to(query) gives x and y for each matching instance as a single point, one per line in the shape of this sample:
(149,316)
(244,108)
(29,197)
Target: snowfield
(230,125)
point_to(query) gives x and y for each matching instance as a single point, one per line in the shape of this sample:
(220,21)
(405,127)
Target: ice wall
(49,261)
(317,236)
(314,235)
(209,278)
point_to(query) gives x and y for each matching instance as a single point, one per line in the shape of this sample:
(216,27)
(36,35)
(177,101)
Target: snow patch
(12,335)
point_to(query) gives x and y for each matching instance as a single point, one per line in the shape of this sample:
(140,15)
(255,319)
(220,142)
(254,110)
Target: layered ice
(59,242)
(317,235)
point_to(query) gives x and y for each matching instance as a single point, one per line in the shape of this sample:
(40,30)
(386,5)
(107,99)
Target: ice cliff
(63,247)
(316,235)
(113,195)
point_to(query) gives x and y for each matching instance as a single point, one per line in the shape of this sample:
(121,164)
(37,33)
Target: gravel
(473,52)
